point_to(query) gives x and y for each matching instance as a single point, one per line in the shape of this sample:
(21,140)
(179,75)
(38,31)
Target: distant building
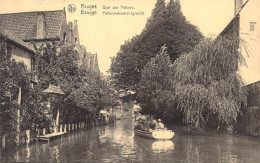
(20,51)
(91,61)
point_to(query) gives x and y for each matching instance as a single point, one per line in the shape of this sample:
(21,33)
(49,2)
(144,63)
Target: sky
(104,34)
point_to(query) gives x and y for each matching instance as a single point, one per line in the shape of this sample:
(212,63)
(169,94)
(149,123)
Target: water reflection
(118,143)
(27,152)
(162,146)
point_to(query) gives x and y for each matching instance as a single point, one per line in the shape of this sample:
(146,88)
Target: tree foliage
(85,92)
(201,88)
(155,78)
(14,75)
(207,87)
(167,25)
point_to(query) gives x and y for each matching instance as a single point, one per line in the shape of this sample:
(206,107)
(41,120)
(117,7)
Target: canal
(117,143)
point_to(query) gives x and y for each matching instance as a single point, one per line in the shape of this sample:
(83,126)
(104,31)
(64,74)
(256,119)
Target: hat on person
(159,120)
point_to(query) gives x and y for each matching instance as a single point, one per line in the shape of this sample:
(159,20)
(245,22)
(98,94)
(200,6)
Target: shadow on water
(117,143)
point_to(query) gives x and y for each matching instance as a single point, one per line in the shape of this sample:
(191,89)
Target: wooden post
(58,117)
(76,126)
(28,136)
(69,127)
(44,131)
(61,128)
(72,126)
(55,129)
(65,128)
(3,141)
(37,132)
(18,116)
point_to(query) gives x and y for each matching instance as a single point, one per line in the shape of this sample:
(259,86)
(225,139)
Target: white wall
(20,55)
(251,13)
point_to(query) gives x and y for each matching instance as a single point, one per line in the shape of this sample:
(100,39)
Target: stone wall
(249,121)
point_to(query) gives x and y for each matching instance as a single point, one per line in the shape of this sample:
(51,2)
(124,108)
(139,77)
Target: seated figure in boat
(160,125)
(140,124)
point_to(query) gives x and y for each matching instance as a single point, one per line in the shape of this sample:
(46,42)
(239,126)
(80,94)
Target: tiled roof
(24,25)
(14,39)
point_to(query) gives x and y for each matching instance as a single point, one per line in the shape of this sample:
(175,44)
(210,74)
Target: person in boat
(151,123)
(140,124)
(155,124)
(160,125)
(148,123)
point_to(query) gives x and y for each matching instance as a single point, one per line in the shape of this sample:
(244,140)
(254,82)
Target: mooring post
(69,127)
(55,129)
(65,128)
(61,128)
(44,131)
(3,141)
(28,136)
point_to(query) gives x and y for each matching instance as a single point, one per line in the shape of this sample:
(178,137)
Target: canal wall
(249,121)
(11,139)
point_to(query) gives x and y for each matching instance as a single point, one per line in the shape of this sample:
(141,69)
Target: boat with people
(149,128)
(160,134)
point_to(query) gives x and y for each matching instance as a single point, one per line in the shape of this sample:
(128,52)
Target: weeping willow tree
(206,83)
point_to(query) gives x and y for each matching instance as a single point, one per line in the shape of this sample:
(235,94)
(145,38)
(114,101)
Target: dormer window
(252,26)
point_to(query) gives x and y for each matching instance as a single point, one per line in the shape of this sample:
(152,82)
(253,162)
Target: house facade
(19,50)
(246,25)
(48,26)
(249,31)
(41,26)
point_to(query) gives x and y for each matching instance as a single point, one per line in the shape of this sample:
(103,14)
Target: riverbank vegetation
(191,81)
(85,92)
(166,26)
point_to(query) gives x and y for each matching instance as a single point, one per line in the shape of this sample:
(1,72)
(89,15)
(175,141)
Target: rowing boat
(155,134)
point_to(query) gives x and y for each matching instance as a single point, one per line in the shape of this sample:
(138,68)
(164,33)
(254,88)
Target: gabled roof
(15,40)
(24,24)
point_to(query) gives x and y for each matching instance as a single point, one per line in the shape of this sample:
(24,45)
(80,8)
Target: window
(252,26)
(9,50)
(64,36)
(76,40)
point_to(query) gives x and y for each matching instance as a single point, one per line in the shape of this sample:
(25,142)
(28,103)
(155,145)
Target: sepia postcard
(130,81)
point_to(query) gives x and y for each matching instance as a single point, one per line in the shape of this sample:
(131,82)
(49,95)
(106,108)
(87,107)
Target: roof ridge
(13,37)
(30,12)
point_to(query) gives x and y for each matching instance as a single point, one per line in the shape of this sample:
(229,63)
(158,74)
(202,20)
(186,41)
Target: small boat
(160,134)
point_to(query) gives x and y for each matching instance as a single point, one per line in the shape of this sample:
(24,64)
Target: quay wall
(249,122)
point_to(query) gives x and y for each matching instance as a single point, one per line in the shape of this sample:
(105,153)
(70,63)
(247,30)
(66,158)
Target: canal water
(117,143)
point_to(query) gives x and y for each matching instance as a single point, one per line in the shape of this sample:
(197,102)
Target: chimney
(75,32)
(40,25)
(238,6)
